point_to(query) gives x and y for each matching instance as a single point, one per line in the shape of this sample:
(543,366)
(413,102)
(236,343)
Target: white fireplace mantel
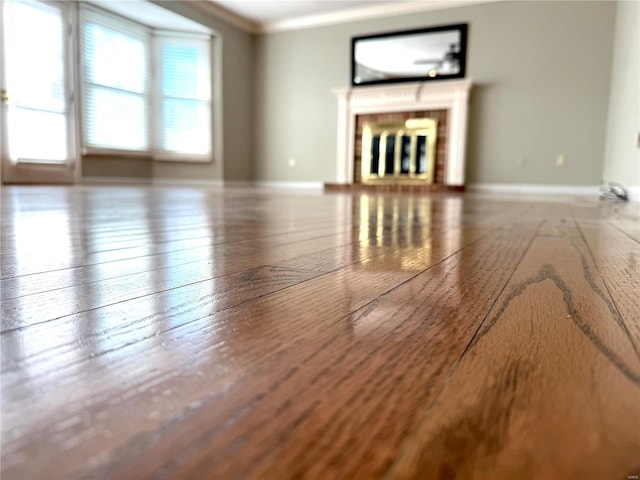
(451,95)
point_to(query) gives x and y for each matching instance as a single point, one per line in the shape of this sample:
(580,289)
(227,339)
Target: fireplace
(444,102)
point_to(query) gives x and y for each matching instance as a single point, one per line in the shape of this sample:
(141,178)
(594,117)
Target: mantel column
(344,165)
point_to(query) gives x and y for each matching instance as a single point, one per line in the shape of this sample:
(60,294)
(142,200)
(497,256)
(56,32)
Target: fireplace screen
(401,152)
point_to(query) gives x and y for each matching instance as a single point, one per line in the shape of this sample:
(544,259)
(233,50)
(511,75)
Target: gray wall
(542,72)
(236,89)
(622,157)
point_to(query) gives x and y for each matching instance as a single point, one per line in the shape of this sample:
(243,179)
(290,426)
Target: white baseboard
(525,189)
(203,183)
(239,183)
(534,189)
(176,182)
(289,185)
(150,181)
(115,181)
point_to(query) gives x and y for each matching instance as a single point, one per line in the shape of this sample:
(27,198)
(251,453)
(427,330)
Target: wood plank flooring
(165,332)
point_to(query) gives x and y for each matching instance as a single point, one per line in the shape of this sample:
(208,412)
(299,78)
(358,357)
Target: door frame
(33,172)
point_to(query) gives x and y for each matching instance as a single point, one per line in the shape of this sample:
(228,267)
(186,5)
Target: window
(185,93)
(123,109)
(116,83)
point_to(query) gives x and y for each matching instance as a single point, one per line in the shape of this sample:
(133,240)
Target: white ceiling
(269,11)
(274,15)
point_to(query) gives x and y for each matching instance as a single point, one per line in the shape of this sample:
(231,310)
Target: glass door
(38,121)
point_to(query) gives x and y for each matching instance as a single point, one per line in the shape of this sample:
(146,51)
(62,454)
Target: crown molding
(364,13)
(208,7)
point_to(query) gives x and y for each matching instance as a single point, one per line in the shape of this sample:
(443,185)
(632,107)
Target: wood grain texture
(549,387)
(157,332)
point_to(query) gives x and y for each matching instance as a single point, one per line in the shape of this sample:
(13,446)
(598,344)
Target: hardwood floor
(156,332)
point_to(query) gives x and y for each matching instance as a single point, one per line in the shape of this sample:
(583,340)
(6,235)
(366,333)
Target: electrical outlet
(560,160)
(522,161)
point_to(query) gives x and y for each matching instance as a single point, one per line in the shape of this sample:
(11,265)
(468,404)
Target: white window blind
(185,94)
(116,82)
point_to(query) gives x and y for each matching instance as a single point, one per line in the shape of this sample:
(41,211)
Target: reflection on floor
(244,333)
